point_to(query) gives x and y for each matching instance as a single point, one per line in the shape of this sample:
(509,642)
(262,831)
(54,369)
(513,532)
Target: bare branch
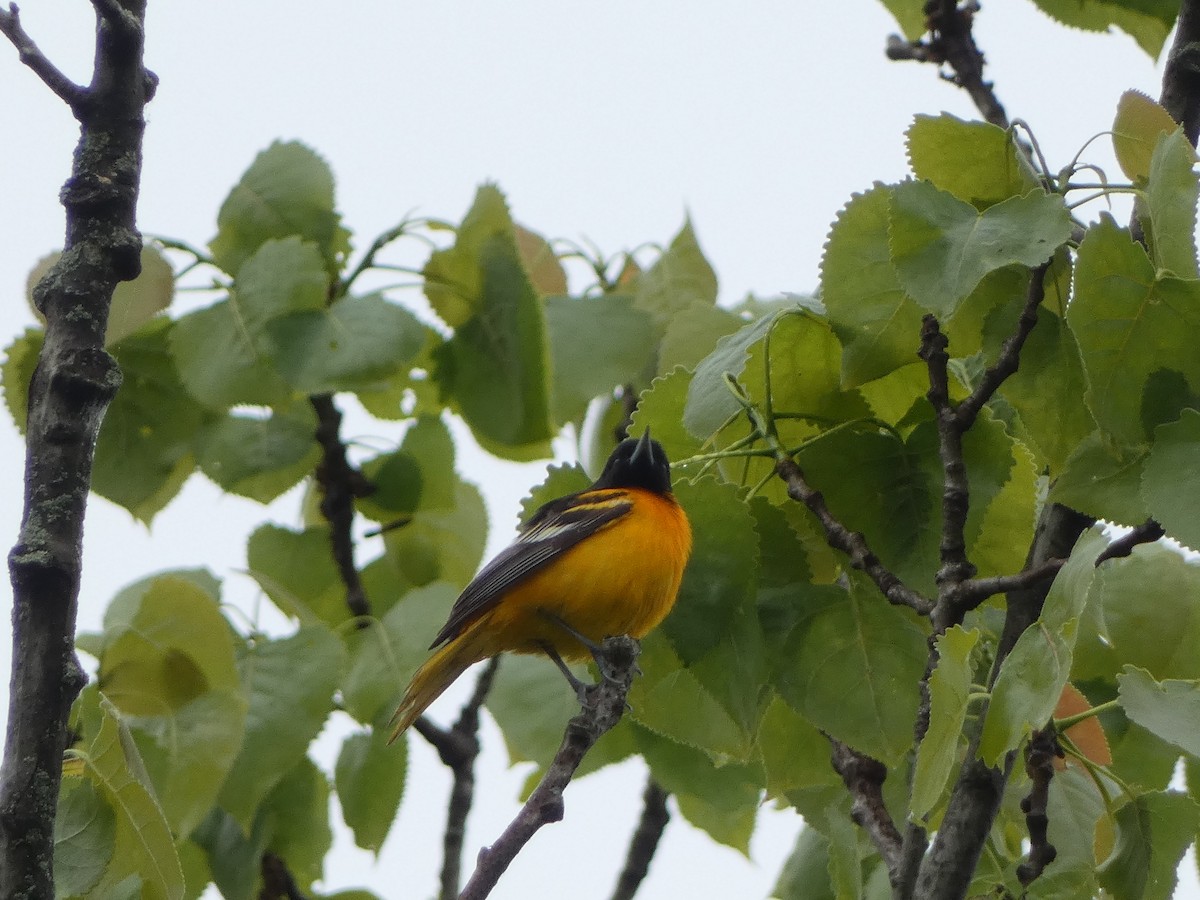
(864,777)
(952,43)
(69,92)
(645,840)
(1040,753)
(852,543)
(603,706)
(458,749)
(340,484)
(118,17)
(1146,533)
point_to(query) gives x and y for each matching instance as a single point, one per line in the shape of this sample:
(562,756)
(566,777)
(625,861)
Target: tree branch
(644,843)
(278,883)
(458,748)
(1146,533)
(1040,753)
(864,777)
(1181,77)
(340,484)
(952,43)
(73,383)
(603,706)
(852,543)
(72,94)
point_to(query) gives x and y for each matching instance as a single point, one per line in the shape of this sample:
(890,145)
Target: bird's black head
(637,463)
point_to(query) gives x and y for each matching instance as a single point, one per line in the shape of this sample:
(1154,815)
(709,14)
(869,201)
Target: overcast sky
(606,121)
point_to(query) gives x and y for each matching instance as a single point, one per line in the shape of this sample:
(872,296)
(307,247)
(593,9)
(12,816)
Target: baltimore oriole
(604,561)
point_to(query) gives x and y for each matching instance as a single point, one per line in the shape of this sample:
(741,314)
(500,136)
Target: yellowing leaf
(1136,129)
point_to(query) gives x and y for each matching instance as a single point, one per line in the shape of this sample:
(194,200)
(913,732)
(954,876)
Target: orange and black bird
(604,561)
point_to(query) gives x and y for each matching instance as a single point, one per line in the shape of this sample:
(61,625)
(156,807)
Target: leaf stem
(1068,721)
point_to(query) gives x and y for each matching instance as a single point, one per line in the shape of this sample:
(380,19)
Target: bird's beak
(643,447)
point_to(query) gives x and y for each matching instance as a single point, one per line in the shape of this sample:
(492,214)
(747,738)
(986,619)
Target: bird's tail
(438,673)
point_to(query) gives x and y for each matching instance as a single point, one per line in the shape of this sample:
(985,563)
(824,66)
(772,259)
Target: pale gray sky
(608,121)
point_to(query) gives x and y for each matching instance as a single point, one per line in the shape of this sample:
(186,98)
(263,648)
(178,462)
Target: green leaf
(1169,212)
(661,408)
(856,638)
(369,776)
(1131,326)
(284,276)
(234,857)
(143,451)
(721,800)
(1103,480)
(1032,676)
(290,684)
(296,571)
(1163,644)
(876,321)
(693,333)
(1074,807)
(709,402)
(355,343)
(20,359)
(949,686)
(84,837)
(1153,831)
(805,874)
(442,543)
(196,873)
(256,457)
(384,655)
(794,753)
(669,700)
(719,581)
(680,277)
(136,302)
(1147,21)
(910,16)
(1045,390)
(142,843)
(1174,460)
(396,478)
(596,344)
(296,813)
(942,247)
(288,190)
(845,858)
(1168,708)
(1136,130)
(168,662)
(218,362)
(496,366)
(937,146)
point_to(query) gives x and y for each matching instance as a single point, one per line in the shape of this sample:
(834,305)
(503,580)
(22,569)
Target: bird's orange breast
(621,580)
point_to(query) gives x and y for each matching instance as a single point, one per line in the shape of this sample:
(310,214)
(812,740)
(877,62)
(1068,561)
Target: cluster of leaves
(191,760)
(191,754)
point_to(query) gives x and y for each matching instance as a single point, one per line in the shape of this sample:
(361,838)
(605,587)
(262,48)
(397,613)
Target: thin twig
(603,706)
(1146,533)
(955,568)
(340,484)
(852,543)
(975,590)
(864,777)
(1040,754)
(277,880)
(644,843)
(458,749)
(1010,352)
(74,95)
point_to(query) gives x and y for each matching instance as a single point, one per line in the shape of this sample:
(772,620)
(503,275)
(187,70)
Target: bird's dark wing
(551,531)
